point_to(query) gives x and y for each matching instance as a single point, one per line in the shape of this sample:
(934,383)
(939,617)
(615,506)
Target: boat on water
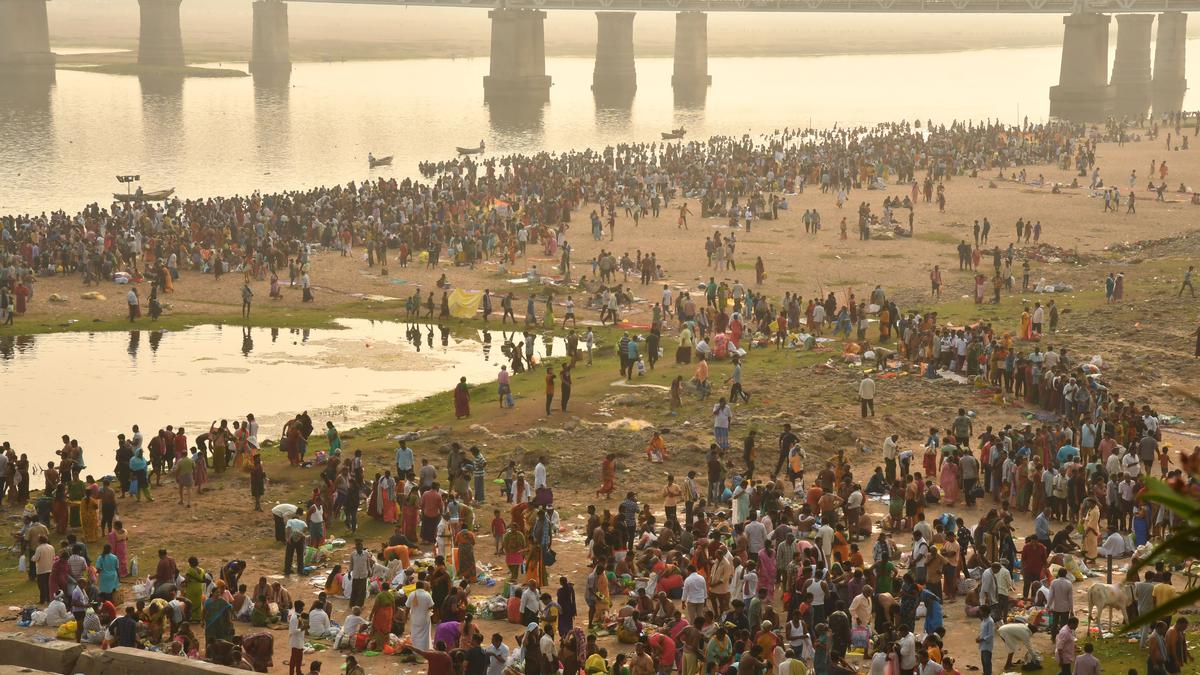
(470,151)
(379,161)
(675,134)
(140,196)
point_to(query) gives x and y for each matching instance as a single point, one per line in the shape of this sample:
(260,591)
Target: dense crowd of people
(472,210)
(747,570)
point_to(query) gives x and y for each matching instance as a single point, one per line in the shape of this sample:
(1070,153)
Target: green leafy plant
(1183,544)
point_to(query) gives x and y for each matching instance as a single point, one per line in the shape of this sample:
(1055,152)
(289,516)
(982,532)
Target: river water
(62,145)
(94,386)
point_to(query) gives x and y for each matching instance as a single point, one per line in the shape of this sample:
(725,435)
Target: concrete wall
(56,656)
(20,654)
(123,660)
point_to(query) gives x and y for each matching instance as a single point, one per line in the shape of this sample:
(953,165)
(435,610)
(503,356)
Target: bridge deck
(831,6)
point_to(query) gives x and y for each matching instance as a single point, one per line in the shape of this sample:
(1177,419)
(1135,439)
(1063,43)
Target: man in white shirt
(861,607)
(891,448)
(1114,545)
(695,594)
(361,564)
(296,638)
(1131,465)
(825,539)
(756,535)
(281,513)
(539,475)
(318,622)
(908,650)
(497,654)
(927,667)
(349,629)
(866,395)
(531,606)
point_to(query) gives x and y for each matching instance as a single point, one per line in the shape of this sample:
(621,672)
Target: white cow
(1110,597)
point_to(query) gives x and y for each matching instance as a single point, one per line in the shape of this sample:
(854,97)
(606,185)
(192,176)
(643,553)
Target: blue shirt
(1041,528)
(107,565)
(1066,452)
(987,633)
(404,458)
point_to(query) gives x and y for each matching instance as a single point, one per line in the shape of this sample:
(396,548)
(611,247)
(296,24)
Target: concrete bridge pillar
(615,70)
(160,41)
(269,46)
(691,51)
(1170,57)
(1082,93)
(1131,67)
(25,36)
(518,59)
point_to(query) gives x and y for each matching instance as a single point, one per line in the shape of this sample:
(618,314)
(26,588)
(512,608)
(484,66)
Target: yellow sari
(89,516)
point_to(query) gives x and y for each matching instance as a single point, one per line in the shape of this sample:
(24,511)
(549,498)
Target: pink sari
(766,571)
(948,480)
(120,549)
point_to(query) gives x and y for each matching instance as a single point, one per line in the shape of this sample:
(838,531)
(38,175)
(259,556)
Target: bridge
(1085,91)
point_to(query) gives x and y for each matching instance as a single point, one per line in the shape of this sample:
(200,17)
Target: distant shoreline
(313,53)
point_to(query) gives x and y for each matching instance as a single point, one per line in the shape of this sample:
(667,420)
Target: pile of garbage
(1143,244)
(1048,253)
(1044,286)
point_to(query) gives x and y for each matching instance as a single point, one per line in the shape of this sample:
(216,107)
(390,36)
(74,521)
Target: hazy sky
(225,24)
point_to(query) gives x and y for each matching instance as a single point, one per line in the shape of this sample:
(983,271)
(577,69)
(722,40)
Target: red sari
(462,401)
(608,475)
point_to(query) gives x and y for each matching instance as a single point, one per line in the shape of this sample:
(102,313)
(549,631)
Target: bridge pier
(1131,67)
(615,71)
(1082,93)
(518,58)
(160,41)
(691,51)
(25,37)
(269,52)
(1170,60)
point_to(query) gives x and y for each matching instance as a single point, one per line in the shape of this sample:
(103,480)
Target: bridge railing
(848,6)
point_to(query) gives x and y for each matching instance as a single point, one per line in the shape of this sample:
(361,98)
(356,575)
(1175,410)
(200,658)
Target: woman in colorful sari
(929,458)
(411,512)
(218,618)
(60,575)
(465,541)
(241,446)
(334,439)
(1026,325)
(389,510)
(535,555)
(194,580)
(89,514)
(118,539)
(573,650)
(76,491)
(462,399)
(59,509)
(948,480)
(374,505)
(608,476)
(107,567)
(200,472)
(1091,530)
(381,616)
(766,570)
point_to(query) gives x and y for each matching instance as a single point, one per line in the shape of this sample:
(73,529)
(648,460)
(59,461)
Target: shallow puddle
(96,385)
